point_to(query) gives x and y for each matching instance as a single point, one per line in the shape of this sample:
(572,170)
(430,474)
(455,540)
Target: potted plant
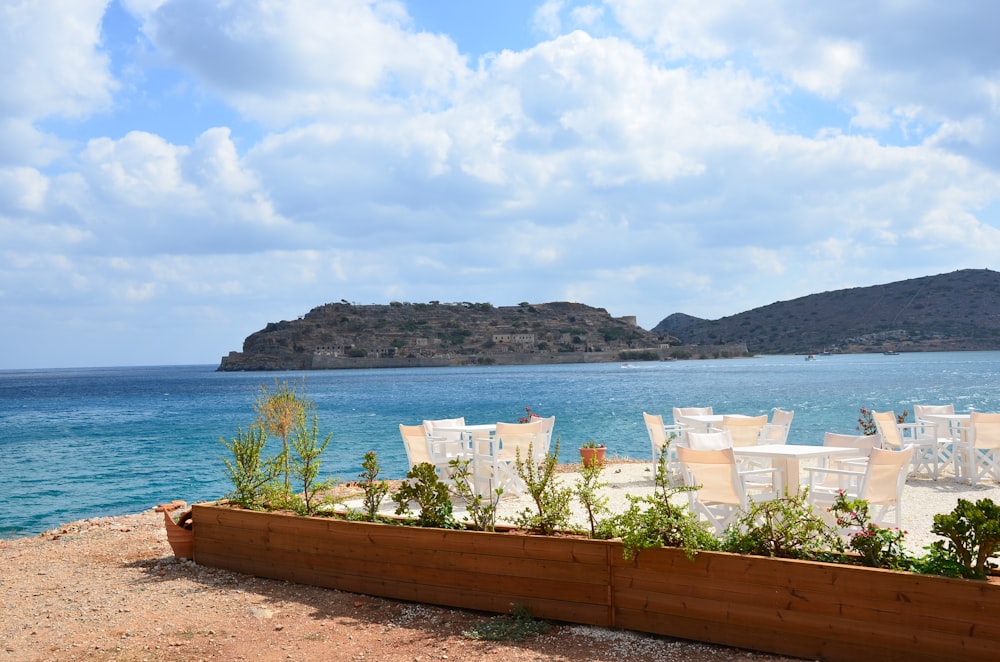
(592,453)
(180,533)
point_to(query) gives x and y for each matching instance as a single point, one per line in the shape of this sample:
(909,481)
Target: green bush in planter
(972,533)
(785,528)
(657,521)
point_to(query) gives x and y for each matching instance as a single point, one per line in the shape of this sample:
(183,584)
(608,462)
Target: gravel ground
(110,589)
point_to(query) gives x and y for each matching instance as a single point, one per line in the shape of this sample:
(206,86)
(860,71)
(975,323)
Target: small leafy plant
(590,443)
(430,494)
(516,626)
(373,488)
(552,509)
(482,510)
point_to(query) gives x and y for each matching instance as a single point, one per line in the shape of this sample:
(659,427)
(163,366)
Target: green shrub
(430,494)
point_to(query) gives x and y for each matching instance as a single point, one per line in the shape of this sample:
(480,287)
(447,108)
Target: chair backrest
(415,443)
(710,441)
(430,425)
(885,475)
(863,442)
(920,411)
(548,425)
(714,473)
(510,437)
(776,432)
(985,430)
(655,430)
(745,430)
(885,422)
(691,411)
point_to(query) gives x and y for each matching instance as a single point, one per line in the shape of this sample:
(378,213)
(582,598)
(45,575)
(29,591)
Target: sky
(176,174)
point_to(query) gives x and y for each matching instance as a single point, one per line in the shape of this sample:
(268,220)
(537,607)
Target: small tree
(279,413)
(552,509)
(374,489)
(586,491)
(306,463)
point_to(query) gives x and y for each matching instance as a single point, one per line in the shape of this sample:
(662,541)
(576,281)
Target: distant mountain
(954,311)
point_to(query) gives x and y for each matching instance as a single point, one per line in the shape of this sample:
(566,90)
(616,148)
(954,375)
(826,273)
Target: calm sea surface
(95,442)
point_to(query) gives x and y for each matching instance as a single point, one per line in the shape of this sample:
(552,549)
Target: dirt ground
(110,589)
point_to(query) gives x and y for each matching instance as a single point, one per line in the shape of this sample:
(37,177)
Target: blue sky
(175,174)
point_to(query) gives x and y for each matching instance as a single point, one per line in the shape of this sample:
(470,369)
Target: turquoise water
(95,442)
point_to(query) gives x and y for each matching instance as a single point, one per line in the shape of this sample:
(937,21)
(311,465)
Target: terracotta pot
(181,539)
(592,456)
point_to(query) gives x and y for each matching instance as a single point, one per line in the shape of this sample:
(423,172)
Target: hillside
(346,335)
(954,311)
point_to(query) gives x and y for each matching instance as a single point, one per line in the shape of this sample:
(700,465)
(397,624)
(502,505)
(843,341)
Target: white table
(787,457)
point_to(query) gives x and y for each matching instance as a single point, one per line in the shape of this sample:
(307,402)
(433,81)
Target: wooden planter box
(799,608)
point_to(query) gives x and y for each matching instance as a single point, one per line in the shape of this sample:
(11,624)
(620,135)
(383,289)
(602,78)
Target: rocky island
(954,311)
(347,335)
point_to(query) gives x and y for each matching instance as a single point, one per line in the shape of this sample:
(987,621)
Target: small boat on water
(891,352)
(810,357)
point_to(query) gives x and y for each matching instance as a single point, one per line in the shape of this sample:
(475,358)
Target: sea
(97,442)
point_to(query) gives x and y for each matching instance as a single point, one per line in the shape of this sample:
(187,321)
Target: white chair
(548,425)
(691,411)
(445,442)
(921,436)
(945,436)
(745,430)
(722,489)
(776,432)
(660,436)
(863,443)
(681,418)
(510,441)
(880,483)
(982,453)
(710,441)
(415,443)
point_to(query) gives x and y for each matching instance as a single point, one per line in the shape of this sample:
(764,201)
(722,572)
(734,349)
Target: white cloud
(285,62)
